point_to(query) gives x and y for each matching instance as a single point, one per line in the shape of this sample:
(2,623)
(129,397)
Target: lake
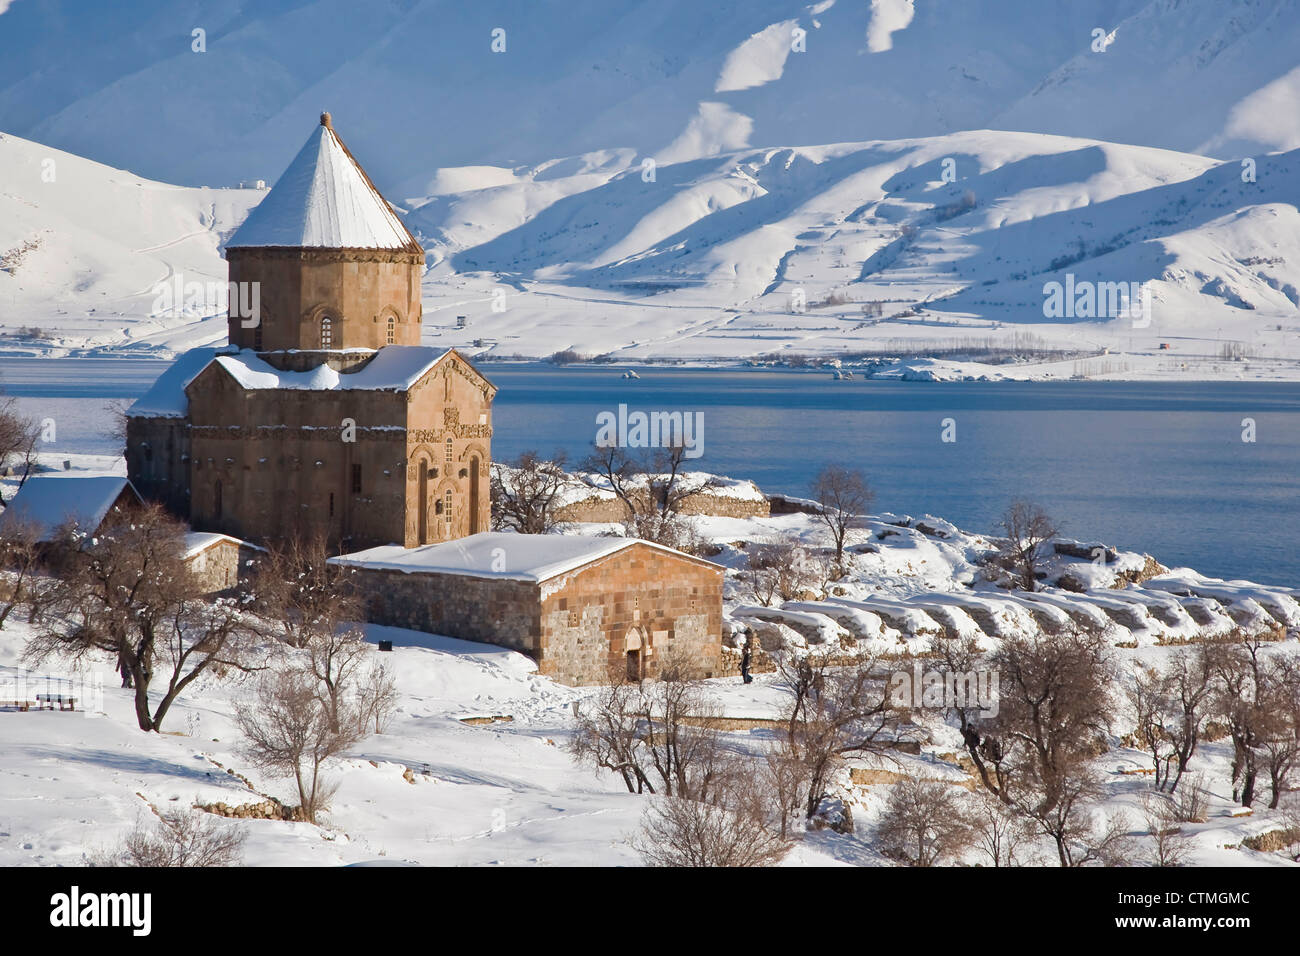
(1148,466)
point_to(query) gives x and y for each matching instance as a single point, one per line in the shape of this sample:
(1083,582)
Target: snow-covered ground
(436,789)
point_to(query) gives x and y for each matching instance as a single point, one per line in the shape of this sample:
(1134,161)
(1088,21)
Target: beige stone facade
(327,298)
(628,611)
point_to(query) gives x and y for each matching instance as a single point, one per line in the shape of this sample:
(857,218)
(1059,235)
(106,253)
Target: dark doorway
(634,665)
(423,503)
(473,496)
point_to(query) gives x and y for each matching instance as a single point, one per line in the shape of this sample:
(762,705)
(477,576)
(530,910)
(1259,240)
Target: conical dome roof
(324,200)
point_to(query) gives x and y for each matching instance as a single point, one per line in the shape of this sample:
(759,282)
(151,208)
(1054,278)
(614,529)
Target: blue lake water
(1156,467)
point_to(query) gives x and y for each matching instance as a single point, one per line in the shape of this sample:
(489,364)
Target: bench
(60,699)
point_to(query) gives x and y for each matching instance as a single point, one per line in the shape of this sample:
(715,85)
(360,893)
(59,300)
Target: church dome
(324,200)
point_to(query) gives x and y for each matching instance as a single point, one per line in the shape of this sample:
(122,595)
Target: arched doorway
(422,520)
(473,495)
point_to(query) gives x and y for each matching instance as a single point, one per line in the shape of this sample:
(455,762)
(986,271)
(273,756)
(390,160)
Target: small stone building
(218,561)
(46,504)
(578,605)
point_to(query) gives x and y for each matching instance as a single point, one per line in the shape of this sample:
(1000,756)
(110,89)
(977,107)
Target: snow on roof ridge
(324,199)
(392,367)
(521,557)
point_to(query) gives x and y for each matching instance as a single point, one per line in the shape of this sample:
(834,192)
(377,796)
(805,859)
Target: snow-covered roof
(46,502)
(166,396)
(197,541)
(393,367)
(324,200)
(494,554)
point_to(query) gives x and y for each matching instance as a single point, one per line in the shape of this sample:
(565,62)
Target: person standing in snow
(744,661)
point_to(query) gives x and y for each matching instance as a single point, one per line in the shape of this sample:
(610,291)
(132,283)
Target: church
(324,414)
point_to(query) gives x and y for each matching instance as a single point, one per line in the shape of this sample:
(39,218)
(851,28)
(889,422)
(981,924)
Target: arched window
(326,332)
(392,330)
(446,507)
(449,452)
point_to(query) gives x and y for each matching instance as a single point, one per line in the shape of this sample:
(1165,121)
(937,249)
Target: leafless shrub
(923,823)
(1169,844)
(288,732)
(1189,803)
(376,700)
(677,831)
(999,832)
(781,570)
(181,838)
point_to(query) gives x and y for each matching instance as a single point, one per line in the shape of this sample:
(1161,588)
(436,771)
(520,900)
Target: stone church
(324,414)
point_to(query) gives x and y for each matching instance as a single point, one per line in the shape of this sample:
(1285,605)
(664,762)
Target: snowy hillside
(84,248)
(671,78)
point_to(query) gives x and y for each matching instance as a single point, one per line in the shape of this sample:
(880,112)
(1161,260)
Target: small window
(356,479)
(326,332)
(392,330)
(448,449)
(257,338)
(446,507)
(331,504)
(216,500)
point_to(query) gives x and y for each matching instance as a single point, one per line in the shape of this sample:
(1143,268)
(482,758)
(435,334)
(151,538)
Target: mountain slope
(666,78)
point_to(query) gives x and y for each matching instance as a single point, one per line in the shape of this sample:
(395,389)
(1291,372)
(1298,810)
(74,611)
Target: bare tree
(1027,527)
(315,606)
(19,559)
(302,595)
(526,492)
(843,495)
(834,712)
(288,732)
(1189,683)
(999,832)
(1037,755)
(652,484)
(608,733)
(1240,702)
(1155,710)
(923,823)
(182,838)
(659,736)
(18,439)
(128,591)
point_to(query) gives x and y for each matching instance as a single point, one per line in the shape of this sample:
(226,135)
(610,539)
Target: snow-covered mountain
(594,186)
(418,79)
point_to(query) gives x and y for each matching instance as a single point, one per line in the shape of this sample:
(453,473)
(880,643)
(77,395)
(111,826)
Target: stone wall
(267,464)
(641,599)
(359,289)
(222,565)
(607,508)
(158,461)
(492,610)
